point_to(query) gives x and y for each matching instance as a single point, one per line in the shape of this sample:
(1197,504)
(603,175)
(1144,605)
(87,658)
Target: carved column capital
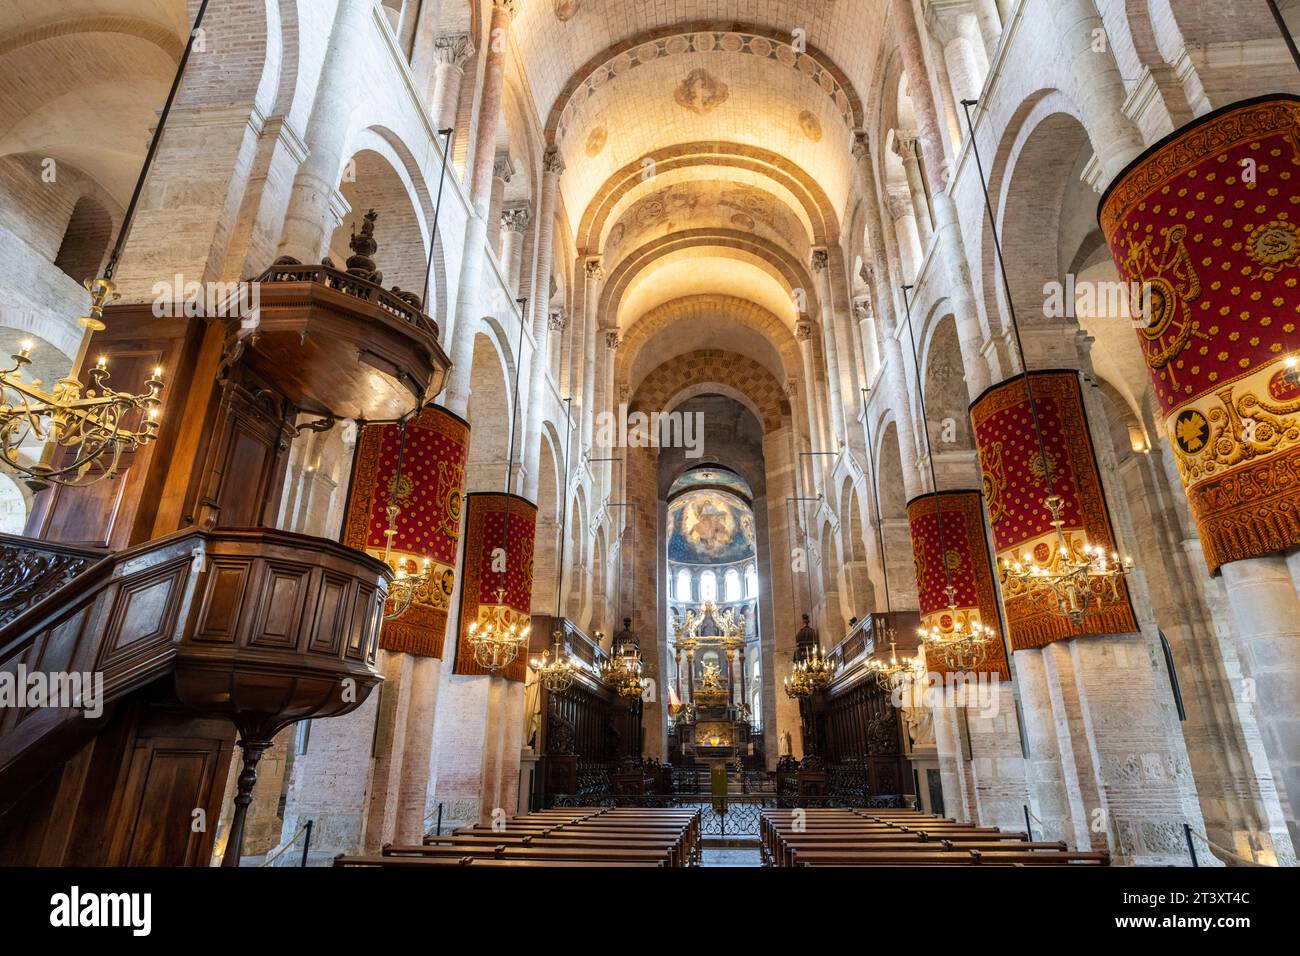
(899,202)
(821,260)
(804,329)
(595,269)
(862,308)
(556,320)
(861,145)
(624,392)
(516,218)
(551,162)
(511,7)
(452,49)
(905,143)
(503,168)
(792,387)
(612,339)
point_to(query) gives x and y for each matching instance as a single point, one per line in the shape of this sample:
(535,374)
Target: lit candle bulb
(103,362)
(25,350)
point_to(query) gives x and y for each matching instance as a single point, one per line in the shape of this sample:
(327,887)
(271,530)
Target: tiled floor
(730,856)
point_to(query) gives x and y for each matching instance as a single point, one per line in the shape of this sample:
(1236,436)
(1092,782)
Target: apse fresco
(709,527)
(707,477)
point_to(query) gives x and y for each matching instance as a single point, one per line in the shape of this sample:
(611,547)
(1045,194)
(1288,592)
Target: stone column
(595,277)
(515,219)
(990,24)
(812,390)
(608,403)
(912,47)
(866,318)
(909,240)
(905,147)
(503,170)
(544,326)
(834,372)
(449,53)
(964,72)
(1098,86)
(1266,625)
(308,223)
(903,415)
(468,304)
(555,327)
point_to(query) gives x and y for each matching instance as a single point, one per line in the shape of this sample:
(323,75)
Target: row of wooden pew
(591,836)
(833,837)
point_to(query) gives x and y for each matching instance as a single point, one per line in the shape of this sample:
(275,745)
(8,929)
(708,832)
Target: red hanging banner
(1014,476)
(966,553)
(497,565)
(429,494)
(1205,226)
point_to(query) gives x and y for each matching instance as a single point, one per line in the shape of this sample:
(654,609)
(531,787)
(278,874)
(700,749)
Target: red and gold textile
(1015,488)
(429,495)
(1206,226)
(497,565)
(971,572)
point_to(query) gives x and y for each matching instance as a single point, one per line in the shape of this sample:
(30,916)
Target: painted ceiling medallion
(566,9)
(596,140)
(811,126)
(701,92)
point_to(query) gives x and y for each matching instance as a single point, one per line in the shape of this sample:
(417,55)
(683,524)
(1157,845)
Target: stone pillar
(903,414)
(1098,86)
(595,277)
(912,46)
(905,147)
(866,318)
(503,170)
(1266,625)
(468,304)
(555,324)
(608,403)
(964,72)
(545,332)
(909,240)
(308,223)
(834,373)
(450,52)
(515,219)
(990,24)
(812,391)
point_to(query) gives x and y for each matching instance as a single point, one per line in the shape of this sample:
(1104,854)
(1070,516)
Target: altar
(710,718)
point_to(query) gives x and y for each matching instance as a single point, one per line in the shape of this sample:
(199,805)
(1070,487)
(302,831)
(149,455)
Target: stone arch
(786,176)
(768,256)
(489,409)
(661,41)
(713,370)
(946,396)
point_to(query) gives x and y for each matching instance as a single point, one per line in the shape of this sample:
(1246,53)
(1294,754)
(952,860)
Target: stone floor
(730,856)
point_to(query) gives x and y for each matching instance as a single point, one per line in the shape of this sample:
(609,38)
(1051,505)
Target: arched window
(731,584)
(708,587)
(751,582)
(683,585)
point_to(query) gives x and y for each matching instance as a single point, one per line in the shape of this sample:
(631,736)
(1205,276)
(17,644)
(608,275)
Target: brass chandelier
(1075,574)
(83,431)
(622,672)
(810,675)
(894,673)
(555,673)
(498,640)
(965,646)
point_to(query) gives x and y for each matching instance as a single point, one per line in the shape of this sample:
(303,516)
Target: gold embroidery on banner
(993,478)
(1235,425)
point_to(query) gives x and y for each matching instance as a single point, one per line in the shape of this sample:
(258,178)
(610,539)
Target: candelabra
(405,585)
(892,674)
(810,675)
(92,427)
(623,673)
(556,673)
(965,645)
(1073,575)
(497,640)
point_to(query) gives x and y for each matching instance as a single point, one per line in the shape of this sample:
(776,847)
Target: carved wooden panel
(223,599)
(280,604)
(330,625)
